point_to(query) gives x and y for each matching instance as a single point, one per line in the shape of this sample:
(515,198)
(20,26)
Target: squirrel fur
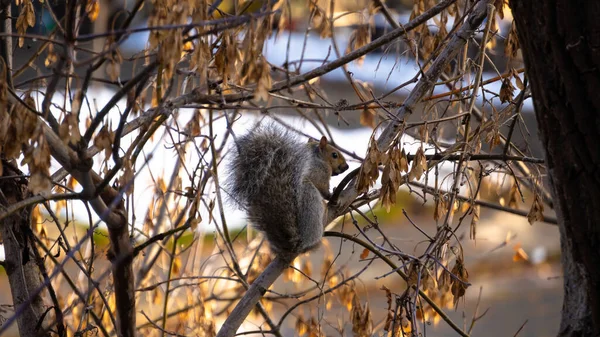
(282,183)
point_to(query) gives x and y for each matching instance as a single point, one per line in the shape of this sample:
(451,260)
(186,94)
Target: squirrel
(282,183)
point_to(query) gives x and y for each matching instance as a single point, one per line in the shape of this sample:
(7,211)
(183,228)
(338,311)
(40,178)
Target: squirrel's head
(333,157)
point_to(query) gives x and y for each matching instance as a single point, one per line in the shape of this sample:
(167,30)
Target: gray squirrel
(282,184)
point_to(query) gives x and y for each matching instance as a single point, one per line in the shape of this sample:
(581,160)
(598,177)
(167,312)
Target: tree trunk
(560,41)
(23,273)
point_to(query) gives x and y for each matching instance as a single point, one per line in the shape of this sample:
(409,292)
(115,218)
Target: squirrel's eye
(334,155)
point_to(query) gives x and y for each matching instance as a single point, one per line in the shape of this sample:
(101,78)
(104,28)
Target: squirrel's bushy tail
(266,170)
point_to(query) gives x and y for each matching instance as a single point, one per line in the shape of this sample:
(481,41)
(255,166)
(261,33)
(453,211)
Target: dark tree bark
(560,41)
(24,276)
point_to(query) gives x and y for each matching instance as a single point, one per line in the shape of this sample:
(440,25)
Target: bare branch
(422,87)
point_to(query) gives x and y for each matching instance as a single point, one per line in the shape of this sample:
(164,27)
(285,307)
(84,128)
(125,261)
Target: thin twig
(372,249)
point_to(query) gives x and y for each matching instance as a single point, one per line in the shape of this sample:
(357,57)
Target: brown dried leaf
(367,118)
(26,19)
(419,166)
(359,38)
(512,42)
(126,179)
(104,140)
(536,213)
(346,296)
(307,267)
(369,171)
(227,57)
(388,191)
(176,268)
(506,90)
(113,68)
(428,42)
(390,313)
(20,128)
(413,275)
(321,23)
(424,133)
(518,81)
(391,178)
(68,130)
(263,85)
(459,288)
(474,222)
(200,57)
(194,221)
(37,157)
(513,197)
(499,4)
(157,18)
(493,138)
(301,326)
(326,267)
(403,162)
(362,324)
(436,211)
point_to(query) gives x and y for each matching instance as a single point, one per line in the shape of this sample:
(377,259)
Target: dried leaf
(37,157)
(520,254)
(263,83)
(26,19)
(437,213)
(428,42)
(93,9)
(68,130)
(513,197)
(536,213)
(307,268)
(419,165)
(518,81)
(424,133)
(176,268)
(359,38)
(367,118)
(499,4)
(388,190)
(459,288)
(113,68)
(321,23)
(403,162)
(390,313)
(326,266)
(126,179)
(104,140)
(474,222)
(362,324)
(512,42)
(369,171)
(506,90)
(301,326)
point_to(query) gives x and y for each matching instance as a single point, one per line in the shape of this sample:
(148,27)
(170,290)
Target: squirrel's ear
(323,142)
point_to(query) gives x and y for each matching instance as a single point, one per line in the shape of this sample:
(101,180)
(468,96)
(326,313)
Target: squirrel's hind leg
(311,211)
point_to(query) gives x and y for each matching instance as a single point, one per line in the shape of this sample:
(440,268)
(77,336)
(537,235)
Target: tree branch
(422,87)
(258,288)
(23,274)
(393,266)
